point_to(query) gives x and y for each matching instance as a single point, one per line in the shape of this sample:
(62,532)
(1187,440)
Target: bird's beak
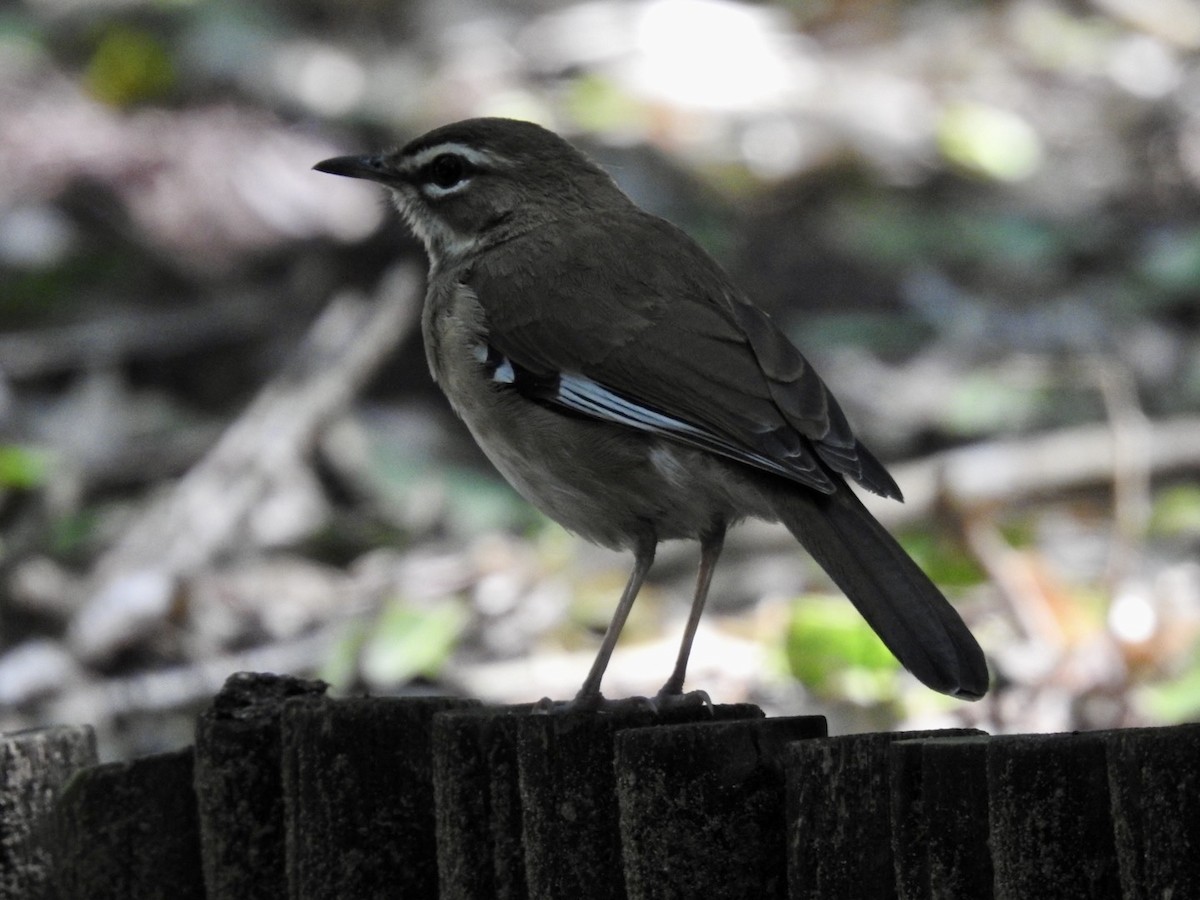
(371,168)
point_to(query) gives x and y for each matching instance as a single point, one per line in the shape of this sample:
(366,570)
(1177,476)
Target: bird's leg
(710,550)
(642,560)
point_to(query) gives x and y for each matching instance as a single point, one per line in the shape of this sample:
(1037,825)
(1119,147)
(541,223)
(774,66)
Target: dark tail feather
(891,592)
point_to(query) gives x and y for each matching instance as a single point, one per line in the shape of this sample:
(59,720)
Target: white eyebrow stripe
(473,155)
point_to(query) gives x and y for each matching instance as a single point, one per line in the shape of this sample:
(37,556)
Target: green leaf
(480,503)
(72,535)
(128,66)
(1176,511)
(598,103)
(1177,700)
(990,141)
(983,402)
(408,641)
(831,649)
(22,468)
(1171,260)
(944,561)
(401,477)
(340,666)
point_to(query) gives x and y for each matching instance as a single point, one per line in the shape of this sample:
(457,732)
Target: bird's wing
(628,320)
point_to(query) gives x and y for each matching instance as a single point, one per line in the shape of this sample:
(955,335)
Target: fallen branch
(206,512)
(1023,469)
(1007,473)
(118,337)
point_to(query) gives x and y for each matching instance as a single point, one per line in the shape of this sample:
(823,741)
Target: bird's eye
(447,170)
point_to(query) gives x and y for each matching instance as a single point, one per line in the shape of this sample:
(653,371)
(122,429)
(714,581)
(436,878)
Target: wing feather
(661,342)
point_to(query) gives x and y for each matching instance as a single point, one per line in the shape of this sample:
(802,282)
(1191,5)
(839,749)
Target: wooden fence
(289,794)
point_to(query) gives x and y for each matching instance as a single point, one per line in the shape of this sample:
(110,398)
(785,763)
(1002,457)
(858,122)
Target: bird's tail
(891,592)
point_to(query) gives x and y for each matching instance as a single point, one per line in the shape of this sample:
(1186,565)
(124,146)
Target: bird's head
(465,186)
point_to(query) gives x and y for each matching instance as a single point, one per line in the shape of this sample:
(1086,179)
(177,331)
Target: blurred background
(220,448)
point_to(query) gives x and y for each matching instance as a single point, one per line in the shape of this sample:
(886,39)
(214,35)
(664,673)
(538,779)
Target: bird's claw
(663,701)
(666,700)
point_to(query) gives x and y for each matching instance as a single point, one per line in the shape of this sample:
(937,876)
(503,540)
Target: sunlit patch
(326,79)
(711,54)
(1132,617)
(990,141)
(1144,66)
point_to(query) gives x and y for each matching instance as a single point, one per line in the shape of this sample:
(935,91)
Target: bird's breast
(606,482)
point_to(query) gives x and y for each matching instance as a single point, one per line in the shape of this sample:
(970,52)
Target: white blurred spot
(123,611)
(1144,66)
(1177,21)
(710,54)
(327,80)
(898,112)
(1132,617)
(34,668)
(35,237)
(989,140)
(773,147)
(294,507)
(274,179)
(586,34)
(498,593)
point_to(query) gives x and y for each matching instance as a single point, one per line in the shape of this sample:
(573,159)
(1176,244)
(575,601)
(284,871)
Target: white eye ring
(445,174)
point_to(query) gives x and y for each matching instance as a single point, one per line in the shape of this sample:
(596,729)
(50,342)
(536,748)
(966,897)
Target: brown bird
(616,377)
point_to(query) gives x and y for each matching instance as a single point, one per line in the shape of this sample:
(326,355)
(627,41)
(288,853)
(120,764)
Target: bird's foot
(582,703)
(668,699)
(590,702)
(662,702)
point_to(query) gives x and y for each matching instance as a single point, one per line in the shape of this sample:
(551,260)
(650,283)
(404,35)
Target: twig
(1023,469)
(144,334)
(1130,467)
(1006,473)
(204,514)
(198,519)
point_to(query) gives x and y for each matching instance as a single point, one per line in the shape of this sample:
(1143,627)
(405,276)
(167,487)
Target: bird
(614,374)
